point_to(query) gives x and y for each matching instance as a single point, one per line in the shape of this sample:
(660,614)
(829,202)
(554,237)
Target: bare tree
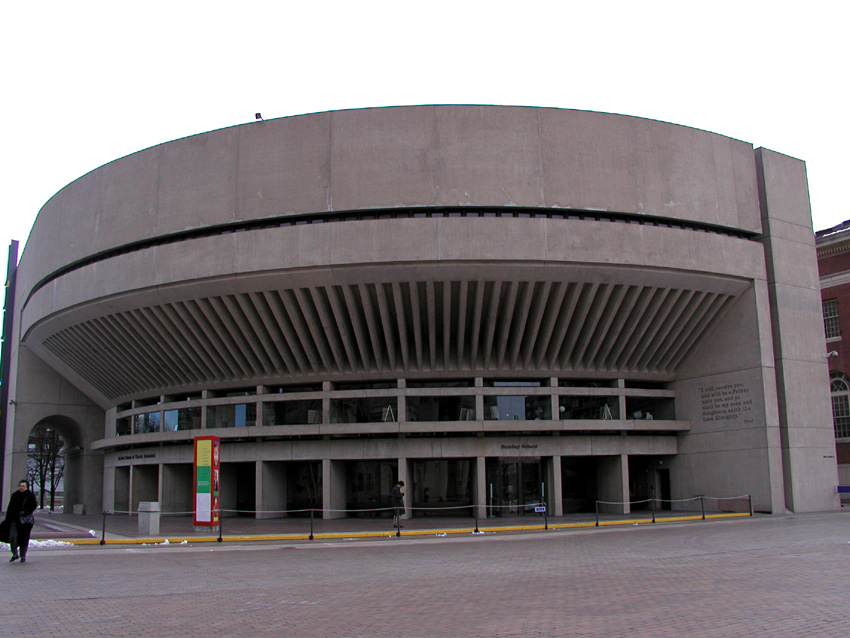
(45,461)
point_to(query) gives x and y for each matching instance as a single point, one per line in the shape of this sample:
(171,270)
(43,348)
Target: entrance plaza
(783,575)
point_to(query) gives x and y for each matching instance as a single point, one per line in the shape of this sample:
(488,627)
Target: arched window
(839,387)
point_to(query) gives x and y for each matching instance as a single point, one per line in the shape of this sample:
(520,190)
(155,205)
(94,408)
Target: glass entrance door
(514,486)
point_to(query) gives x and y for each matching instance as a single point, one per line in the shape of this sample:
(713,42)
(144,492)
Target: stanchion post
(103,529)
(702,505)
(597,513)
(543,503)
(311,523)
(220,524)
(652,508)
(750,499)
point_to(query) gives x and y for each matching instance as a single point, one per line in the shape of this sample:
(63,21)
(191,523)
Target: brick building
(833,246)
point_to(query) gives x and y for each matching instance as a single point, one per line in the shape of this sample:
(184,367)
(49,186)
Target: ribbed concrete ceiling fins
(621,312)
(284,330)
(177,320)
(652,326)
(404,318)
(65,346)
(172,350)
(290,302)
(603,325)
(718,305)
(523,303)
(447,322)
(572,318)
(551,312)
(662,329)
(553,327)
(697,304)
(368,303)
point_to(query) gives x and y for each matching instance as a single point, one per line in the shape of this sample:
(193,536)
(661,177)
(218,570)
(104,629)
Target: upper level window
(839,386)
(831,324)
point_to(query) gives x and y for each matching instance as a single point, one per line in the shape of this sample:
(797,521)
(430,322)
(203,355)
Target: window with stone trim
(839,386)
(831,324)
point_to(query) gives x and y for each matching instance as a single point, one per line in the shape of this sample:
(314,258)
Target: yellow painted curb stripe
(423,532)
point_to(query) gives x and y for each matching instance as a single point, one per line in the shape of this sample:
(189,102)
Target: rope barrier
(515,507)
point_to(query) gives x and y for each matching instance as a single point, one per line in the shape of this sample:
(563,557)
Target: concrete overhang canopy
(415,320)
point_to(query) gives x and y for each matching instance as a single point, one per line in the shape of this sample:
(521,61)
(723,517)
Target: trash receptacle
(148,518)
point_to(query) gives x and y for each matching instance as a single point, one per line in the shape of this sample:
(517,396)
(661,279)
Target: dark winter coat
(398,497)
(20,503)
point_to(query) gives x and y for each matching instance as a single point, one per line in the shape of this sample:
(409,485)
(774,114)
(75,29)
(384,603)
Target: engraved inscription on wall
(729,402)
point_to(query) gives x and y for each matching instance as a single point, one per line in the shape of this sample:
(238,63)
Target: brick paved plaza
(772,576)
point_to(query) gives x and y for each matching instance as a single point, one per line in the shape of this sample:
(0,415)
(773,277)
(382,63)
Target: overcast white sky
(86,82)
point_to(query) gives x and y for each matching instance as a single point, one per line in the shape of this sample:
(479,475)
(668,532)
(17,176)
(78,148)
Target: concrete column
(145,484)
(405,472)
(205,394)
(333,489)
(479,399)
(401,404)
(480,486)
(109,489)
(83,472)
(159,476)
(556,407)
(802,375)
(271,489)
(175,487)
(401,409)
(121,494)
(621,399)
(554,495)
(327,386)
(612,483)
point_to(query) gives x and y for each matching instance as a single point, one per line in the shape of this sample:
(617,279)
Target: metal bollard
(311,523)
(103,529)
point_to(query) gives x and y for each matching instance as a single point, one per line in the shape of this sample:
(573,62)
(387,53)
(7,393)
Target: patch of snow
(34,544)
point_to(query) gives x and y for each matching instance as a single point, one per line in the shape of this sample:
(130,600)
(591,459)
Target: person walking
(19,517)
(398,504)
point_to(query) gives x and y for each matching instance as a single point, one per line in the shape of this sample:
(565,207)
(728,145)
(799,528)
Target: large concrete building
(498,305)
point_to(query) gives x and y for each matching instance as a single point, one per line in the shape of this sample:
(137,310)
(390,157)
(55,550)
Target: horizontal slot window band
(380,214)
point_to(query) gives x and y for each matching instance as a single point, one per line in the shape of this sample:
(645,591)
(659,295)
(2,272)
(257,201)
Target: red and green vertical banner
(207,455)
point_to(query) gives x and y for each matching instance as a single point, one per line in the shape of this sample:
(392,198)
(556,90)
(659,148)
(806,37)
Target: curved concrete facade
(435,260)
